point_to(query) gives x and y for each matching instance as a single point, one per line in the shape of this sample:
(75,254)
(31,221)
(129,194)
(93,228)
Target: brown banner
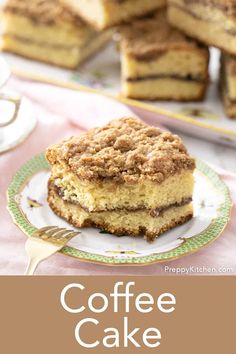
(175,315)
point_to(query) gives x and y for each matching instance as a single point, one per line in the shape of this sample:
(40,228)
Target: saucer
(4,72)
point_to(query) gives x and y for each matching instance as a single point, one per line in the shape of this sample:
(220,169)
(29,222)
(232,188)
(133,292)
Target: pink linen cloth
(61,113)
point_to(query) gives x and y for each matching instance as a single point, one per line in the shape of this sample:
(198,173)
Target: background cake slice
(48,31)
(159,62)
(228,84)
(211,21)
(126,177)
(106,13)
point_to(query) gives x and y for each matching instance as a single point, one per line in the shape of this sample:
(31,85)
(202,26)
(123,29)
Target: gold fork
(44,243)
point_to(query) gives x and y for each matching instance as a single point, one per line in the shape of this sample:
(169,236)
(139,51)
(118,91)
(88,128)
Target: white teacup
(17,117)
(9,104)
(9,108)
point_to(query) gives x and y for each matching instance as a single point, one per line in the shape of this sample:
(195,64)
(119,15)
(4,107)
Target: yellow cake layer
(164,89)
(63,33)
(105,13)
(110,195)
(208,12)
(228,84)
(209,26)
(121,222)
(228,70)
(231,87)
(179,62)
(229,105)
(68,57)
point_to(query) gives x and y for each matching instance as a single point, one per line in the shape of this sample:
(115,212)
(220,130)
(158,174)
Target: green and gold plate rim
(189,246)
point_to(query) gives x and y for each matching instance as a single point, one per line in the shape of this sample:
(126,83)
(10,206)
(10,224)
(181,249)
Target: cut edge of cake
(103,14)
(49,32)
(212,33)
(227,84)
(161,63)
(121,223)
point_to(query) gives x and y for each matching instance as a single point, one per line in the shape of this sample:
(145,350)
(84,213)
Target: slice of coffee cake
(228,84)
(106,13)
(126,178)
(159,62)
(211,21)
(48,31)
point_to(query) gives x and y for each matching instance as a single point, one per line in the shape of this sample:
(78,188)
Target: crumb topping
(43,11)
(125,150)
(227,6)
(148,37)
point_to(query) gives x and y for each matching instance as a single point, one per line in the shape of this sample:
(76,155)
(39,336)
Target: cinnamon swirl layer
(211,21)
(49,32)
(122,222)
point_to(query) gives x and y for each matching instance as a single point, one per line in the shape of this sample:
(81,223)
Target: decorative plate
(101,74)
(27,204)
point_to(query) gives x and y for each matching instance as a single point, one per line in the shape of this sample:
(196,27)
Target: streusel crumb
(147,37)
(43,11)
(125,150)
